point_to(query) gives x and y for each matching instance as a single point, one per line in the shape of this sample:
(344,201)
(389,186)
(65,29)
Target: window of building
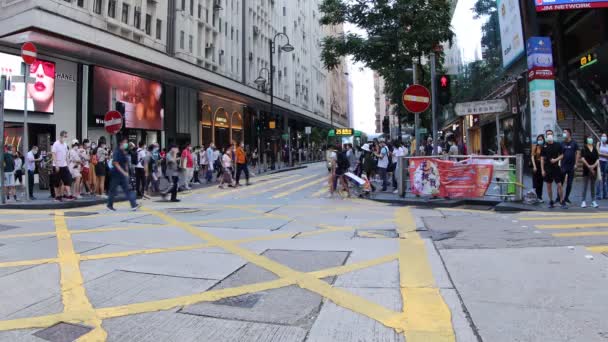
(112,8)
(226,29)
(159,29)
(181,39)
(190,43)
(80,3)
(125,13)
(231,63)
(192,7)
(237,35)
(183,5)
(285,29)
(148,24)
(220,21)
(97,6)
(237,65)
(206,15)
(284,11)
(232,33)
(137,17)
(200,10)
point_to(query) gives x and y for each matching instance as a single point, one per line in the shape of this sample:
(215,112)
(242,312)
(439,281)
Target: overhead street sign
(481,107)
(29,53)
(112,122)
(416,98)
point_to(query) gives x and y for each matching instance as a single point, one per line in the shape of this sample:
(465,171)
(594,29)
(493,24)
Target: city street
(282,261)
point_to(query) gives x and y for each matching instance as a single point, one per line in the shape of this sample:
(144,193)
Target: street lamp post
(262,81)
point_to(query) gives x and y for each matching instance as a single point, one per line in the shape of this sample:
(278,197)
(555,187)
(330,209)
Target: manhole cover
(63,332)
(440,236)
(4,227)
(377,233)
(183,210)
(245,301)
(78,213)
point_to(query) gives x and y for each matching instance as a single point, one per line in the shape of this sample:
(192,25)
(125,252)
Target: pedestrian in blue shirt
(119,176)
(569,162)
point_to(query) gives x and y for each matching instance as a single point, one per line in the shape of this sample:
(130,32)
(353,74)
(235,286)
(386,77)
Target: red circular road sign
(112,122)
(416,98)
(29,53)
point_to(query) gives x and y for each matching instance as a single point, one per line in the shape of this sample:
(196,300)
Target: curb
(436,203)
(92,202)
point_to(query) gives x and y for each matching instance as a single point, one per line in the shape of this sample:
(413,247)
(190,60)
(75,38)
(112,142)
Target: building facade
(181,71)
(383,105)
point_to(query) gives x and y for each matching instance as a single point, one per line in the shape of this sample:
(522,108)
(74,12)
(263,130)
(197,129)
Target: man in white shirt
(30,164)
(62,175)
(383,164)
(210,162)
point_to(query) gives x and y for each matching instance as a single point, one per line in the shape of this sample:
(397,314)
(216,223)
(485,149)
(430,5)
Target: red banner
(442,178)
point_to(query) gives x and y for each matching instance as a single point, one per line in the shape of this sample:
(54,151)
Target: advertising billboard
(560,5)
(40,93)
(543,108)
(139,99)
(511,34)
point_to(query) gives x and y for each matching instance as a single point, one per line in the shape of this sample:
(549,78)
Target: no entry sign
(112,122)
(29,53)
(416,98)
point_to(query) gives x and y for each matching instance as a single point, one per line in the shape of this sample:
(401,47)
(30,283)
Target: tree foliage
(397,32)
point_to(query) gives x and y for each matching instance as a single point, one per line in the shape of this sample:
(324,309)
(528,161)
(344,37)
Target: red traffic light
(443,81)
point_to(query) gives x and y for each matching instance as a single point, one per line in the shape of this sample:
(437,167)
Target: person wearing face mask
(602,186)
(101,168)
(590,157)
(172,173)
(187,163)
(241,164)
(30,163)
(537,178)
(119,176)
(63,177)
(551,155)
(571,157)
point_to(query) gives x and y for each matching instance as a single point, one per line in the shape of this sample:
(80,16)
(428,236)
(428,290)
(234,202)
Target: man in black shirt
(571,157)
(551,155)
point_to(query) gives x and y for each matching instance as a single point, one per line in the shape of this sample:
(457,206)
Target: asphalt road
(280,261)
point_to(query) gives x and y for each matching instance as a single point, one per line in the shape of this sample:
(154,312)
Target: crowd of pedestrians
(555,162)
(72,170)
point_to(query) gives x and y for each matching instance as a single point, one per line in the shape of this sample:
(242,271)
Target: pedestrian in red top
(188,165)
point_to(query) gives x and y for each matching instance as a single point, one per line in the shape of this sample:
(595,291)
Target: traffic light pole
(434,101)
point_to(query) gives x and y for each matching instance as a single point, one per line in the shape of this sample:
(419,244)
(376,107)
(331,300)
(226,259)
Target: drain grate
(4,227)
(183,210)
(377,233)
(247,301)
(78,213)
(63,332)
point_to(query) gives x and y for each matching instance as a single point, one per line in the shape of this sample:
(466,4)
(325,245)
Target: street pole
(416,115)
(271,48)
(289,143)
(25,129)
(2,90)
(434,102)
(498,151)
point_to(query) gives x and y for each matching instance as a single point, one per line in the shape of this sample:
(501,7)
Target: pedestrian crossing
(577,229)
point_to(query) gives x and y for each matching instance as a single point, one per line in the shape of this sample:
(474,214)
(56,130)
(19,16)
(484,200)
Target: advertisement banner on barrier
(443,178)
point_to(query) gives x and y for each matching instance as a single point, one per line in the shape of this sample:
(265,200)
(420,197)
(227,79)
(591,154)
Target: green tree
(397,32)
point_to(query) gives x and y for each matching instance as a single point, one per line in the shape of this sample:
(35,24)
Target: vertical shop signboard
(542,86)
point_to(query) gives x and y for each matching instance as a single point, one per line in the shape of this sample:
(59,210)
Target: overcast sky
(468,33)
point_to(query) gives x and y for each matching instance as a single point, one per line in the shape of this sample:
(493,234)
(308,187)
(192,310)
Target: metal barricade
(507,177)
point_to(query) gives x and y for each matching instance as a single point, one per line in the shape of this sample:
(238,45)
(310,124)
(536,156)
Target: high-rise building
(180,70)
(383,105)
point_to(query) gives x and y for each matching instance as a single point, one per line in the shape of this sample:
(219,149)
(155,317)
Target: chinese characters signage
(443,178)
(481,107)
(542,86)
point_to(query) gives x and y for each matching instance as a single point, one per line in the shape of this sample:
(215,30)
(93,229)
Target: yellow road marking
(338,296)
(28,262)
(572,226)
(51,218)
(323,191)
(578,234)
(222,220)
(427,316)
(73,294)
(598,249)
(563,217)
(249,188)
(280,186)
(301,187)
(214,295)
(86,231)
(142,251)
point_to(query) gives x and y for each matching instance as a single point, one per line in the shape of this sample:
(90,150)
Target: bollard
(519,175)
(401,163)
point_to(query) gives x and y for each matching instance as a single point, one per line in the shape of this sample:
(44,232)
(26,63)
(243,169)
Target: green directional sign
(422,130)
(285,136)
